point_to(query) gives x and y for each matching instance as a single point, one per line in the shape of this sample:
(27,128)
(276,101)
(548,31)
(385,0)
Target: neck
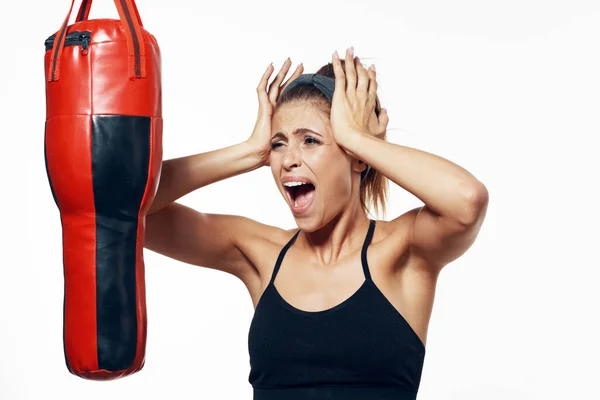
(343,235)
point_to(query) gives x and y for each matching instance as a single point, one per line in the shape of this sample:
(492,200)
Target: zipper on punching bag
(74,38)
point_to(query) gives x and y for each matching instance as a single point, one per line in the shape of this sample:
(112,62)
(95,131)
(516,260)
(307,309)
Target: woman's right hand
(267,99)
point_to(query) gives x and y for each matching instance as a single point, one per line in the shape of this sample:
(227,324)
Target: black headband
(324,83)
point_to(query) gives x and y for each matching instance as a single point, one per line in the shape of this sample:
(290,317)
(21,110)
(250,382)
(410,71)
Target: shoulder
(394,233)
(256,232)
(261,243)
(391,243)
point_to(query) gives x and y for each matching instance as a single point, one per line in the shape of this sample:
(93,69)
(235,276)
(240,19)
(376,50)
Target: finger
(383,120)
(297,73)
(350,71)
(372,87)
(363,81)
(261,89)
(340,76)
(274,86)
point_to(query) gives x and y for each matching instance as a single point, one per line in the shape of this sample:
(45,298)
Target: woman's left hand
(353,103)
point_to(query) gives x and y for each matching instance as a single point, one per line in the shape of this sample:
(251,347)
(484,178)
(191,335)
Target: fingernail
(351,50)
(336,55)
(373,67)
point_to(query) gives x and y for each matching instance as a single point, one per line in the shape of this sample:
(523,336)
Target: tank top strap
(363,255)
(282,254)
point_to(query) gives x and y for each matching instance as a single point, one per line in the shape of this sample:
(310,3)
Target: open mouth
(300,194)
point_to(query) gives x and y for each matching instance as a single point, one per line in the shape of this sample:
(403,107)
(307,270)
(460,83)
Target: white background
(509,90)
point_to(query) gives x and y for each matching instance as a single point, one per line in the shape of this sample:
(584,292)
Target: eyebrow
(298,131)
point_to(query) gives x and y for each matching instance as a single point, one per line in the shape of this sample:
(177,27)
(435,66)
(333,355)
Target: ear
(358,166)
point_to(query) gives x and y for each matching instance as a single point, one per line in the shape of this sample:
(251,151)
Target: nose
(292,157)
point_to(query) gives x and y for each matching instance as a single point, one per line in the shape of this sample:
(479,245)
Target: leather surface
(103,154)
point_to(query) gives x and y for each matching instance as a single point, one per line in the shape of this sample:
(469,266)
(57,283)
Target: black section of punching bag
(120,157)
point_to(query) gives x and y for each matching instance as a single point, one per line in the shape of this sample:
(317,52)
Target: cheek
(333,174)
(325,162)
(274,162)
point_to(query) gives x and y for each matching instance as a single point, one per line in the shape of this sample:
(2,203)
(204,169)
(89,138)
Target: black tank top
(362,348)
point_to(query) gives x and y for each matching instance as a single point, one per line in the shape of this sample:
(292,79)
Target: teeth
(290,184)
(295,183)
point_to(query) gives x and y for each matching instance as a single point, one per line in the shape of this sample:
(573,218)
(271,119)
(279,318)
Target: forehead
(299,114)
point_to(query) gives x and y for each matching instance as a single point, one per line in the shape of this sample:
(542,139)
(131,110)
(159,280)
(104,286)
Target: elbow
(476,199)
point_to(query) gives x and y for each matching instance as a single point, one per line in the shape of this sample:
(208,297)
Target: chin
(314,221)
(308,222)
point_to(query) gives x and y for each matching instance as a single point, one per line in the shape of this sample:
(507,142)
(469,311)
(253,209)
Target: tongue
(304,195)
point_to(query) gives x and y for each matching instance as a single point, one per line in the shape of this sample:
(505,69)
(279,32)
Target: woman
(331,319)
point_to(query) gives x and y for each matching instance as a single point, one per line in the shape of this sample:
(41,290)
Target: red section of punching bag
(73,186)
(103,153)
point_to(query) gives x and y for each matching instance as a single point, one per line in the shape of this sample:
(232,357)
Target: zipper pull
(85,41)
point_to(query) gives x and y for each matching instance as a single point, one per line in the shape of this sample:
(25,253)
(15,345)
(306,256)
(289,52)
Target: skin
(323,267)
(314,155)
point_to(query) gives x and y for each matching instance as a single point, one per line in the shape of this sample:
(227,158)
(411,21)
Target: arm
(455,201)
(212,240)
(180,176)
(184,234)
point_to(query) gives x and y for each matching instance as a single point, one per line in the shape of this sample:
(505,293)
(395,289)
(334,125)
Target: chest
(405,298)
(360,339)
(315,290)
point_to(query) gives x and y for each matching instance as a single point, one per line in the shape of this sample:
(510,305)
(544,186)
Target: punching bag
(103,154)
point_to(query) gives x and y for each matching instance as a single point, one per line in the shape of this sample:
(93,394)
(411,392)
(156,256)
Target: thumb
(383,120)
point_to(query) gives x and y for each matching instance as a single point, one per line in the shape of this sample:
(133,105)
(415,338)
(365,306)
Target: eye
(276,145)
(311,140)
